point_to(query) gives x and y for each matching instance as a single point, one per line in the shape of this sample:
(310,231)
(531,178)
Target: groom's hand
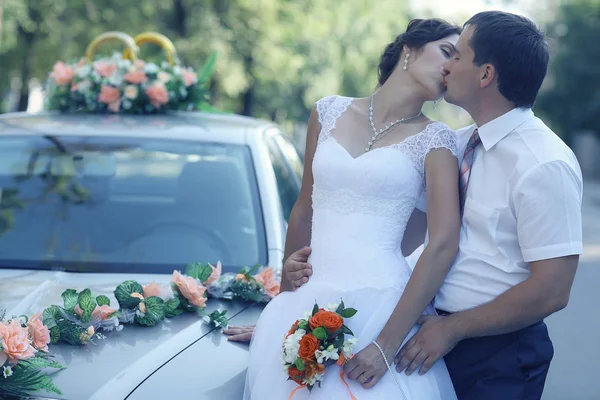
(296,269)
(434,339)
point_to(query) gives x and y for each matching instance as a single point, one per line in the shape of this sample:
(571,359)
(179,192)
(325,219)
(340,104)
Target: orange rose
(312,368)
(308,345)
(268,281)
(330,320)
(295,375)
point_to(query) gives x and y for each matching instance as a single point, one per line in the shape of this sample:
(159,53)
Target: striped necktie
(465,167)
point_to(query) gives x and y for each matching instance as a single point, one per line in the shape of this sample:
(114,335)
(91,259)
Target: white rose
(131,92)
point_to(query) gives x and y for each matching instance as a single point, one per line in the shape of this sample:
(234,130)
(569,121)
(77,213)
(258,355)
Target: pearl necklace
(384,131)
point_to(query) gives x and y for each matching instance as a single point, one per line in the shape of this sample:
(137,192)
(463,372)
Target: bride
(368,163)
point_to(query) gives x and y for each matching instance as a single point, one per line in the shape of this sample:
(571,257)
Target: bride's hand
(367,366)
(239,333)
(296,270)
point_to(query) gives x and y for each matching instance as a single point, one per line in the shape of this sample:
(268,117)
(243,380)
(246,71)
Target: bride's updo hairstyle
(418,33)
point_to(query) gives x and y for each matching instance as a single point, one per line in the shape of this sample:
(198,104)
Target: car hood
(113,367)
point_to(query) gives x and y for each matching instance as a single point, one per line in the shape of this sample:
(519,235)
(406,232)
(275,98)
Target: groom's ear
(488,75)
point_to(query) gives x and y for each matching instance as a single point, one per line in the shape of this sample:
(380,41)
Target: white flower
(163,76)
(117,56)
(119,328)
(116,79)
(332,307)
(22,320)
(7,372)
(150,68)
(349,346)
(331,353)
(84,86)
(291,346)
(131,92)
(177,71)
(84,71)
(307,315)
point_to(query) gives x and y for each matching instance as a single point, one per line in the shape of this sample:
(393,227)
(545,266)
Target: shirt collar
(497,129)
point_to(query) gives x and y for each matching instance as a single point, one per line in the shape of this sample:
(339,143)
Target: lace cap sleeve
(443,138)
(329,109)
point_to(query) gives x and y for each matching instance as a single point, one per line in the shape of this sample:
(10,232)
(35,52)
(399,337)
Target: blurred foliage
(570,100)
(275,57)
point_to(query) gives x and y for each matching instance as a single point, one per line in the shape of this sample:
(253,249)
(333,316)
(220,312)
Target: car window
(128,205)
(291,155)
(287,183)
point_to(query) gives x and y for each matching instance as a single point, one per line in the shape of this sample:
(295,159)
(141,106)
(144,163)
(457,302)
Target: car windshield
(105,204)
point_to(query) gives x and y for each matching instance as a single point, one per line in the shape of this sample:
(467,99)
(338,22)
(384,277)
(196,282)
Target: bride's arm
(300,222)
(443,221)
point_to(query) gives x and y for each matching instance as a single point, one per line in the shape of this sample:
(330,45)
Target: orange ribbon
(341,361)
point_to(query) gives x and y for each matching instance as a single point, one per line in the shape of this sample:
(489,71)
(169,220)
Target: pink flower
(38,332)
(189,77)
(268,281)
(15,342)
(105,69)
(114,106)
(111,96)
(136,77)
(158,95)
(190,289)
(154,289)
(100,312)
(62,73)
(216,273)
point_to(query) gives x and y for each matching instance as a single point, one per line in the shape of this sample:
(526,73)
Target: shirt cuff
(554,251)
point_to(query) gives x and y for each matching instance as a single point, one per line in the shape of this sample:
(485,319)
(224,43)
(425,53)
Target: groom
(521,236)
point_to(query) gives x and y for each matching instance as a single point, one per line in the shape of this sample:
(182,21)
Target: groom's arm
(547,206)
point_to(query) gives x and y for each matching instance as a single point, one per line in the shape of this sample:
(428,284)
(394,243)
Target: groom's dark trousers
(504,367)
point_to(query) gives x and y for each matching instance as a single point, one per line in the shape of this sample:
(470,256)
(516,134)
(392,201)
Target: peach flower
(131,92)
(190,289)
(158,95)
(154,289)
(189,78)
(268,281)
(216,273)
(15,341)
(105,69)
(109,94)
(38,332)
(100,312)
(62,73)
(163,76)
(136,77)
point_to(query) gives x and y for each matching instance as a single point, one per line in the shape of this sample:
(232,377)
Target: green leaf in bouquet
(338,342)
(87,304)
(123,294)
(54,335)
(154,311)
(172,307)
(335,333)
(300,364)
(103,300)
(347,330)
(315,309)
(218,318)
(348,312)
(44,362)
(74,334)
(199,271)
(340,309)
(320,333)
(70,297)
(207,69)
(303,325)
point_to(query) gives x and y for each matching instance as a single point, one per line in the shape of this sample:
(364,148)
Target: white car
(89,201)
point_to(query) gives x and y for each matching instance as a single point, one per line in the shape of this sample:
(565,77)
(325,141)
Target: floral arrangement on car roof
(125,84)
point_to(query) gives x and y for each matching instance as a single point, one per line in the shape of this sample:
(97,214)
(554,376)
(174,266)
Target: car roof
(228,128)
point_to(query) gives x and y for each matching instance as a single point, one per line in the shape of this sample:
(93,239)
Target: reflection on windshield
(127,205)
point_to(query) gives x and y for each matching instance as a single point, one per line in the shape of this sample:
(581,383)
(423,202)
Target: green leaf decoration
(42,362)
(70,297)
(199,271)
(340,309)
(123,294)
(87,304)
(219,319)
(300,364)
(315,309)
(155,311)
(103,300)
(207,69)
(347,330)
(349,313)
(320,333)
(26,378)
(172,307)
(49,316)
(54,335)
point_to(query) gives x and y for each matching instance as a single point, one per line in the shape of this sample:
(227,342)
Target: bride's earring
(406,61)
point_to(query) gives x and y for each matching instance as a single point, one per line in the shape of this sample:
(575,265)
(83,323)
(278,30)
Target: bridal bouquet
(23,355)
(318,340)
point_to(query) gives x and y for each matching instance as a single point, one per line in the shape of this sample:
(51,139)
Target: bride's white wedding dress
(360,210)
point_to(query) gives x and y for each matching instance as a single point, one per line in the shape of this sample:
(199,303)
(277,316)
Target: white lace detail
(345,202)
(435,136)
(329,109)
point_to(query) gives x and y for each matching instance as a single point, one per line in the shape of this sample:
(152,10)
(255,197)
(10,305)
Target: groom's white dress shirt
(523,204)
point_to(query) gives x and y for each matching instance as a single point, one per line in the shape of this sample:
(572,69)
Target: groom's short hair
(516,48)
